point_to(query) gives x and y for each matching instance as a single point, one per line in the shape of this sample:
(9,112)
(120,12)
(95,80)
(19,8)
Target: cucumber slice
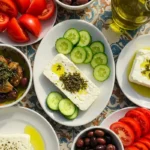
(66,107)
(74,115)
(78,55)
(89,54)
(53,100)
(72,35)
(101,72)
(97,47)
(85,38)
(99,59)
(63,46)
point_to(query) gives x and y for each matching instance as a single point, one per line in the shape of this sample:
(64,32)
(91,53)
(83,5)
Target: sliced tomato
(4,19)
(147,136)
(8,7)
(140,146)
(22,5)
(131,148)
(31,23)
(145,141)
(49,11)
(125,133)
(134,125)
(141,118)
(15,32)
(36,7)
(145,111)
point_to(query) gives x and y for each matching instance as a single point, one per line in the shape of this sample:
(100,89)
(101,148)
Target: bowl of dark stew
(15,75)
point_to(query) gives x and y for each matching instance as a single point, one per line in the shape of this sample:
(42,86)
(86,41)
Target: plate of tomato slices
(24,22)
(132,125)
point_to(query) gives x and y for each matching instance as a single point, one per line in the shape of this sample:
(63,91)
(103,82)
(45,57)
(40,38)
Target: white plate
(46,52)
(114,117)
(15,119)
(46,26)
(121,70)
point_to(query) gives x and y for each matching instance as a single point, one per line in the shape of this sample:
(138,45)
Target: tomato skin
(140,146)
(36,7)
(141,118)
(134,125)
(8,7)
(147,136)
(49,11)
(131,148)
(145,111)
(4,19)
(31,23)
(15,32)
(145,141)
(128,138)
(22,5)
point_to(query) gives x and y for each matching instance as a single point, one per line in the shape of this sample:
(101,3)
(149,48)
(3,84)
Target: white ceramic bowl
(70,7)
(115,138)
(15,51)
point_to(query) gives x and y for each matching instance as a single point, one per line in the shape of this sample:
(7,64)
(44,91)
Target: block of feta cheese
(15,142)
(82,99)
(140,72)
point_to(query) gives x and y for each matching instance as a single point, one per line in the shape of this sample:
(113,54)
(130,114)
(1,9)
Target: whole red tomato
(49,11)
(4,19)
(22,5)
(36,7)
(31,23)
(15,32)
(8,7)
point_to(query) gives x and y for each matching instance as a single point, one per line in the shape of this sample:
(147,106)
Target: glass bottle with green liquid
(130,14)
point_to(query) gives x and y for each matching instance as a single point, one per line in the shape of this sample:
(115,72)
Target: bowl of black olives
(97,138)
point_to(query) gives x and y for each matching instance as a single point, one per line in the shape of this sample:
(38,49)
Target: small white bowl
(15,51)
(115,138)
(70,7)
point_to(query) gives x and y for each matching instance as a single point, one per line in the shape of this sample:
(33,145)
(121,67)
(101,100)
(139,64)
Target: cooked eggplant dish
(12,79)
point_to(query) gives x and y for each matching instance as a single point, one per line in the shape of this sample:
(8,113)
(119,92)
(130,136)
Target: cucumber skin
(47,101)
(69,40)
(66,39)
(86,56)
(107,76)
(72,116)
(101,43)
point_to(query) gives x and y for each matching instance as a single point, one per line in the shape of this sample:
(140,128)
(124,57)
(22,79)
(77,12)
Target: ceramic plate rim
(112,81)
(17,108)
(117,73)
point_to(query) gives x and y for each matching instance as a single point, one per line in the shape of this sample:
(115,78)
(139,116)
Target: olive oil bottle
(130,14)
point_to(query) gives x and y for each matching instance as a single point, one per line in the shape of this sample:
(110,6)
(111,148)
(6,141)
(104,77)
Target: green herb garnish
(73,82)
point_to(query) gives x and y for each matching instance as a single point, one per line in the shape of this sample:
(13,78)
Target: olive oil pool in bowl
(15,75)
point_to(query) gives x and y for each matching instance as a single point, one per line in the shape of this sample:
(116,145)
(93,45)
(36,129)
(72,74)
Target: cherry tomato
(140,146)
(15,32)
(125,133)
(22,5)
(134,125)
(31,23)
(147,136)
(48,11)
(145,141)
(8,7)
(4,19)
(145,111)
(141,118)
(36,7)
(131,148)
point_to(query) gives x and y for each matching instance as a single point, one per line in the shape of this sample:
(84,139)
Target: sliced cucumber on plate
(78,55)
(97,47)
(89,54)
(101,72)
(99,59)
(55,101)
(63,46)
(72,35)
